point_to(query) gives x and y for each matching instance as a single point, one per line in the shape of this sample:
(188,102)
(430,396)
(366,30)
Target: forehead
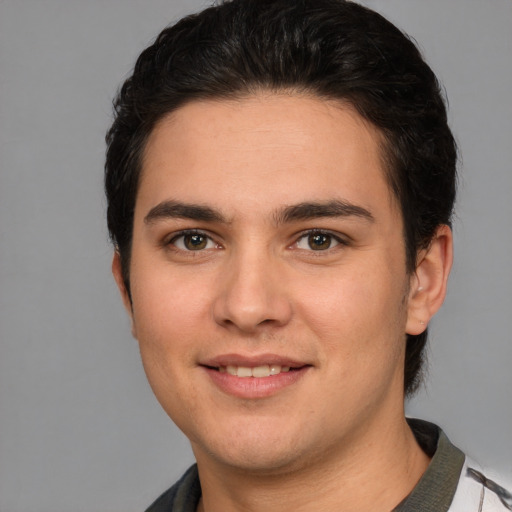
(265,149)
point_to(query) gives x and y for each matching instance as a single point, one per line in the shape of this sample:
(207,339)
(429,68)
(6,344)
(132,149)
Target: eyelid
(339,238)
(171,239)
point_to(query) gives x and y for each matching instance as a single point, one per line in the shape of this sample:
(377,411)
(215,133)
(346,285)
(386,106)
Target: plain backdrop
(79,427)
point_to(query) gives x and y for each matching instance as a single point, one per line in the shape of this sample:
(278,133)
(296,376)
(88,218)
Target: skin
(255,286)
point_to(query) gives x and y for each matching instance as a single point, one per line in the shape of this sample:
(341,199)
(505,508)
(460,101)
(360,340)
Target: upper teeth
(257,371)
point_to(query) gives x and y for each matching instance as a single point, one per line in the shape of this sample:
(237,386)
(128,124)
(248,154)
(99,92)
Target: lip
(254,387)
(252,360)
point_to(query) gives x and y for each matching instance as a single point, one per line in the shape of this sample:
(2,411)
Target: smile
(261,371)
(256,377)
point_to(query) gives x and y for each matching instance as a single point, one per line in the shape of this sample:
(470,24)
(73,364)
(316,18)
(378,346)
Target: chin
(269,450)
(258,461)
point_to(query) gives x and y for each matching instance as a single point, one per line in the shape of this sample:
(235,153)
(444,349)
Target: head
(329,49)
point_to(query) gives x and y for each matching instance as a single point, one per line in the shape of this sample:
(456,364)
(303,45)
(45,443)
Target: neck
(382,469)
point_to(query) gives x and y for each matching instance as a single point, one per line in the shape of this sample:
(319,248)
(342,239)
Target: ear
(118,276)
(428,284)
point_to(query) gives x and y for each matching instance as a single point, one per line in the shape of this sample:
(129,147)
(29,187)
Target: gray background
(79,427)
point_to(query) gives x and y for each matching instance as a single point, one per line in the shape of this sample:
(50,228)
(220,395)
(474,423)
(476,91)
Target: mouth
(256,378)
(260,371)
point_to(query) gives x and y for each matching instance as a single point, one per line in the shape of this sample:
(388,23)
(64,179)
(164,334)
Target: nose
(252,295)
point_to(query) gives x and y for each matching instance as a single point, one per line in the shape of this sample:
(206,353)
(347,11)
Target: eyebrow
(177,210)
(315,210)
(303,211)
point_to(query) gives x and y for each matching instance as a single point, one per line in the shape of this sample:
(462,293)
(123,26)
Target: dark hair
(333,49)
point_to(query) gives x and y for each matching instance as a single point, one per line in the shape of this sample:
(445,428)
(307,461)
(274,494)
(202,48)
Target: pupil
(195,242)
(319,241)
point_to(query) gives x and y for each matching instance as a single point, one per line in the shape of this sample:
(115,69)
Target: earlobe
(117,272)
(428,284)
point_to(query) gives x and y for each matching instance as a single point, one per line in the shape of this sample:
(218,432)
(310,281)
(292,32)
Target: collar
(436,488)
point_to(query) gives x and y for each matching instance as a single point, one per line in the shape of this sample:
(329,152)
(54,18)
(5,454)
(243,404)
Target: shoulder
(453,482)
(477,491)
(183,496)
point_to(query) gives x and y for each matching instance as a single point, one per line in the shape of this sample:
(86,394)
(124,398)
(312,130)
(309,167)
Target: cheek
(362,339)
(166,303)
(168,332)
(356,313)
(165,321)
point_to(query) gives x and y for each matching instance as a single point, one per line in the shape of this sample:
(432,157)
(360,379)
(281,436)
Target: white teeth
(275,369)
(261,371)
(264,370)
(244,371)
(232,370)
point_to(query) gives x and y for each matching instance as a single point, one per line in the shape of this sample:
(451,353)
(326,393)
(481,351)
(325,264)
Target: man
(280,178)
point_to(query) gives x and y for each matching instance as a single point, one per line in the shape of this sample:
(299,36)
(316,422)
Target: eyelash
(305,234)
(312,232)
(188,232)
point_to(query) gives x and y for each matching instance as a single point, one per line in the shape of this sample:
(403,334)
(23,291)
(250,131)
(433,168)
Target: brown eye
(193,242)
(319,241)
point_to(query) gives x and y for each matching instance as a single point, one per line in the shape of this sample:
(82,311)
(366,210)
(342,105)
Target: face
(268,280)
